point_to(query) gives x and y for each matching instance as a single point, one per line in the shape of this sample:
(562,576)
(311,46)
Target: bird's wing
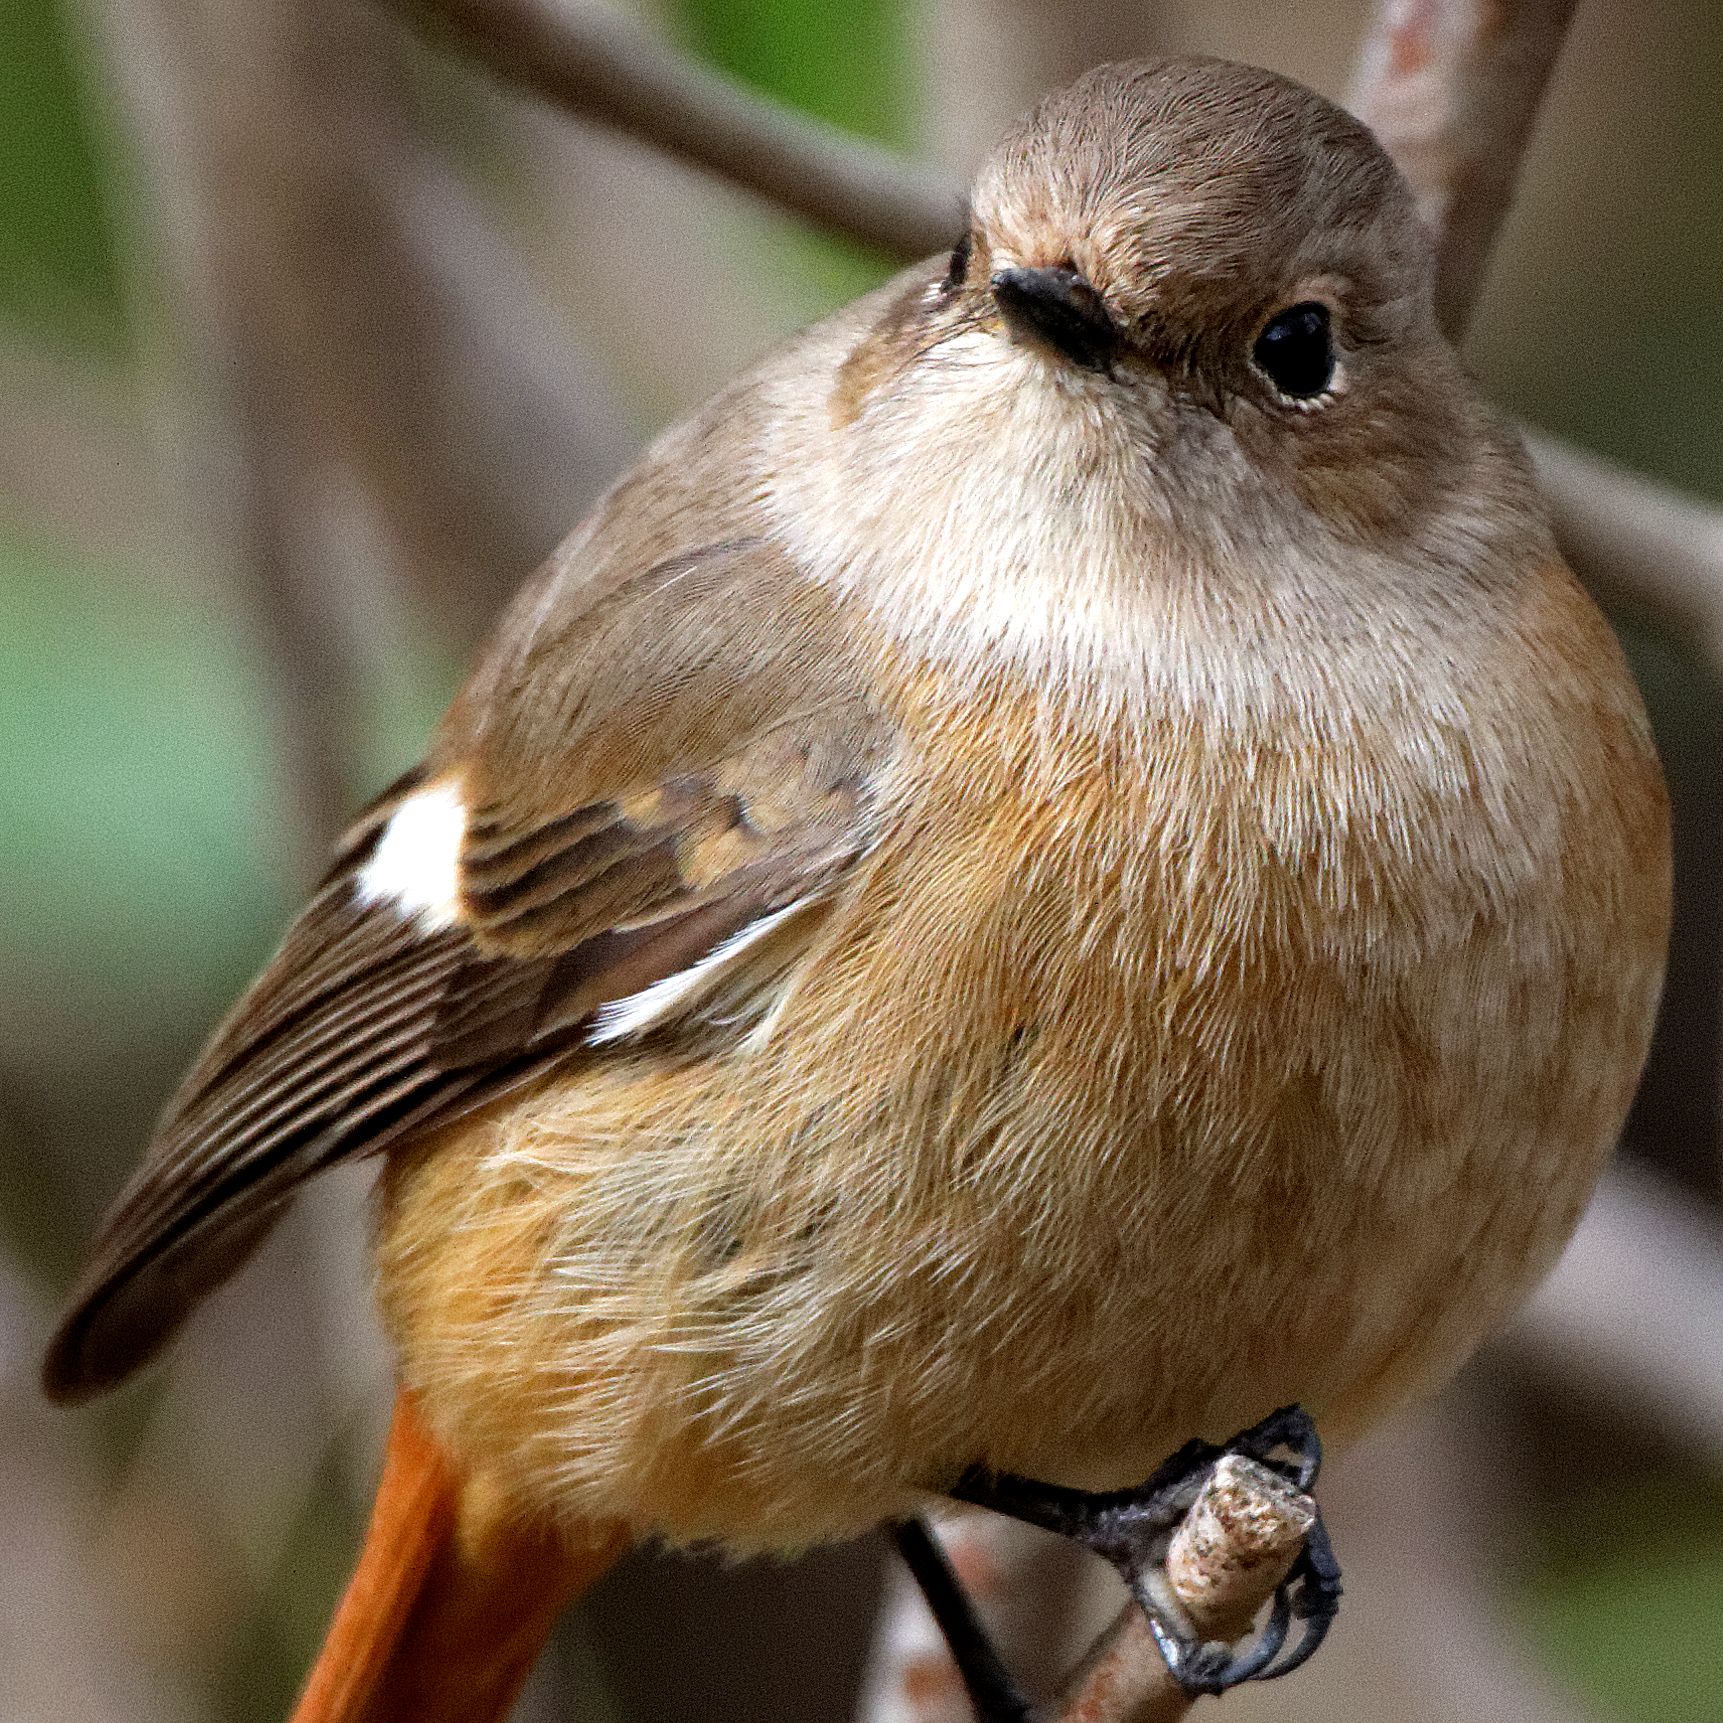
(627,817)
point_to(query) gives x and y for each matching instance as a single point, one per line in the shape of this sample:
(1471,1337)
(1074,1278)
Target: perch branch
(1236,1544)
(1452,88)
(602,69)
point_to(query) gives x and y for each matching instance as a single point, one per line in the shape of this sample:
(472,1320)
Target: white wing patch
(677,994)
(416,864)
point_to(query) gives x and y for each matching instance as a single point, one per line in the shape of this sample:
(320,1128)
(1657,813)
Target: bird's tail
(451,1602)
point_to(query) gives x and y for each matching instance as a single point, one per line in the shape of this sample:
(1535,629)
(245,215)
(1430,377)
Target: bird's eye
(957,271)
(1296,351)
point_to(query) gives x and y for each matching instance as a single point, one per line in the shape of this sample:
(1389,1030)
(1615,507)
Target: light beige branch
(603,69)
(1639,545)
(1452,88)
(1236,1544)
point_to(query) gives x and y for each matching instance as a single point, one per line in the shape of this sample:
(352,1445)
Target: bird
(1061,867)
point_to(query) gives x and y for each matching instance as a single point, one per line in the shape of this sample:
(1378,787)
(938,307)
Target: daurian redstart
(1063,865)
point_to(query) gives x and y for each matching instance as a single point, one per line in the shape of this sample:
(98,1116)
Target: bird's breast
(1145,1078)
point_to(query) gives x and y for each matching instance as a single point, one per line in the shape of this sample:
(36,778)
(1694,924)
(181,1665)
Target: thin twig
(1452,88)
(604,70)
(1236,1544)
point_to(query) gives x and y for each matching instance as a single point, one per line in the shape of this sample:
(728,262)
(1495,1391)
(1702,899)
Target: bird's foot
(1133,1529)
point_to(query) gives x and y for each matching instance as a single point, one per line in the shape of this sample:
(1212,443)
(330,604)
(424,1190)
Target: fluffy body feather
(1005,913)
(1253,970)
(1146,1077)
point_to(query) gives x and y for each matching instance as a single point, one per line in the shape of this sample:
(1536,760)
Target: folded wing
(632,817)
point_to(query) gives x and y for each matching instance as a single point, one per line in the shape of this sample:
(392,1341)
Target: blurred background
(312,343)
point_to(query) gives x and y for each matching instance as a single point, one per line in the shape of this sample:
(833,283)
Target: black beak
(1059,309)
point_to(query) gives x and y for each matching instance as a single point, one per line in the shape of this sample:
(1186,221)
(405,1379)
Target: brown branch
(239,448)
(1236,1544)
(1639,545)
(1452,88)
(450,386)
(604,70)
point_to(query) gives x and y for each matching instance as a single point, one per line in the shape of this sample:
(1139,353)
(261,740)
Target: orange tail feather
(451,1602)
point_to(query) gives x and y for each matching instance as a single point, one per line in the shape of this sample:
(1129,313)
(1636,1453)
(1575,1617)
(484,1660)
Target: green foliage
(138,844)
(1629,1603)
(57,268)
(845,64)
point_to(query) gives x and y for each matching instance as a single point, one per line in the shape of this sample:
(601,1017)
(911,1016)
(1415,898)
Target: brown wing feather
(598,862)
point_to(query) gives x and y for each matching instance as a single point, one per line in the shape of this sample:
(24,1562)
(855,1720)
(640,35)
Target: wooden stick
(1236,1544)
(1452,88)
(1638,545)
(604,70)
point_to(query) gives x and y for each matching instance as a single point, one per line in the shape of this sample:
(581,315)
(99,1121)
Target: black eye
(957,271)
(1296,349)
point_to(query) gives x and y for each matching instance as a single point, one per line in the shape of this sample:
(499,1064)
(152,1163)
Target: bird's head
(1199,284)
(1208,229)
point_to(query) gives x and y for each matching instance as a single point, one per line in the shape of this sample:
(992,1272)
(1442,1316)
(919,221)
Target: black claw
(1126,1527)
(1286,1442)
(1065,1512)
(1313,1592)
(1132,1529)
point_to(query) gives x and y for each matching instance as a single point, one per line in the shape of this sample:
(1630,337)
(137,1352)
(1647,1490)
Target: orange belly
(1174,1098)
